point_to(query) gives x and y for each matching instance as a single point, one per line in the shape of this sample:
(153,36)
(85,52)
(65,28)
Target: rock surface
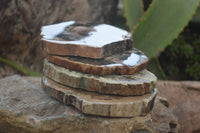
(72,38)
(25,108)
(21,20)
(183,100)
(139,83)
(129,62)
(98,104)
(6,70)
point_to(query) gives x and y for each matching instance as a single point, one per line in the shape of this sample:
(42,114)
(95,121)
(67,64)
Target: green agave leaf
(196,17)
(163,21)
(133,11)
(20,68)
(155,67)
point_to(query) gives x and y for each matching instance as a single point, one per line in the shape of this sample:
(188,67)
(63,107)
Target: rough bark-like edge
(96,69)
(69,96)
(95,84)
(84,50)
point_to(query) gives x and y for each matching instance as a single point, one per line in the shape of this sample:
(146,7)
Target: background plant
(160,24)
(182,59)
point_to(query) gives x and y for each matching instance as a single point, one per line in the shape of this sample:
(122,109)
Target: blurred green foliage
(181,60)
(157,27)
(21,69)
(160,24)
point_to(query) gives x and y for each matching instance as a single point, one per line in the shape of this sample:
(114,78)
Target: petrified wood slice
(98,104)
(129,62)
(85,40)
(126,85)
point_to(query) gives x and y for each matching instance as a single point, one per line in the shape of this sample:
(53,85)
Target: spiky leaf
(20,68)
(163,21)
(133,11)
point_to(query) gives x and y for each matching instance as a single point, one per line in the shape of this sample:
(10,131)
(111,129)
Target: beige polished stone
(126,63)
(137,84)
(95,41)
(98,104)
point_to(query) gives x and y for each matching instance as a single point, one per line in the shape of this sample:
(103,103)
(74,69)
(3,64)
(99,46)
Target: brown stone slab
(84,39)
(126,85)
(183,97)
(98,104)
(127,63)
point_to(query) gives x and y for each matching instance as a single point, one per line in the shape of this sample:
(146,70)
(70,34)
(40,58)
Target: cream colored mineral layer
(126,85)
(98,104)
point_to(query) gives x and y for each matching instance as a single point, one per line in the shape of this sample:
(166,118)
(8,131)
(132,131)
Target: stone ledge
(25,108)
(183,97)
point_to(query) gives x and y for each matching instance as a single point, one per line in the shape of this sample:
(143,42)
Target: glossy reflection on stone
(84,39)
(129,62)
(89,34)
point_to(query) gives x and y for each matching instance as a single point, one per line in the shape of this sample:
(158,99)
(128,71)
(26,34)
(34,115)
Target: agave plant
(196,17)
(156,28)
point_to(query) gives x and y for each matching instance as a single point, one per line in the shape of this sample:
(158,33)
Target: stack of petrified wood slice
(95,68)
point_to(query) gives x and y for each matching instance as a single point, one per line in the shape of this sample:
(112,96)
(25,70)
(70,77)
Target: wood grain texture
(85,40)
(100,105)
(125,85)
(71,50)
(85,51)
(108,66)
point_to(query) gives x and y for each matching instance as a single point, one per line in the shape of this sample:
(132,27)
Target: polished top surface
(71,32)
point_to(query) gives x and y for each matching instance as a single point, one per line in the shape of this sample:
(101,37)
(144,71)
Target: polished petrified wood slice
(84,39)
(98,104)
(126,85)
(129,62)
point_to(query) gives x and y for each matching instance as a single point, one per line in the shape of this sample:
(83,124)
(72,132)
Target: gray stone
(183,97)
(25,108)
